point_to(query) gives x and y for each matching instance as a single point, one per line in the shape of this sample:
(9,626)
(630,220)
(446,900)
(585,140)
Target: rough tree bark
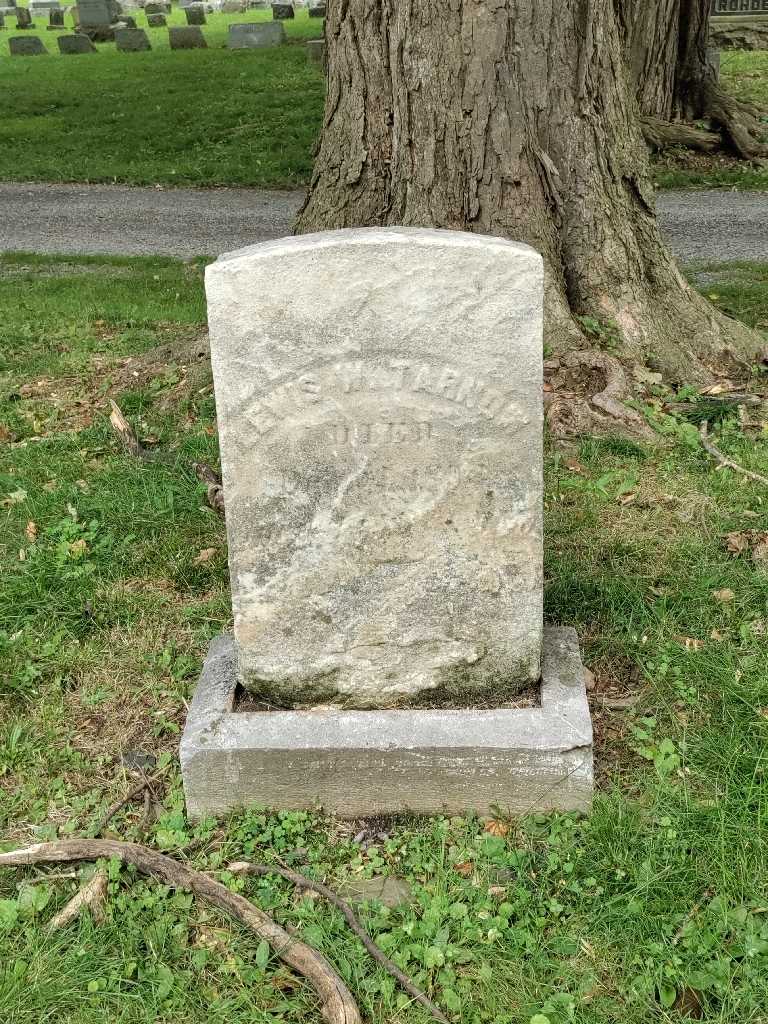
(667,43)
(513,118)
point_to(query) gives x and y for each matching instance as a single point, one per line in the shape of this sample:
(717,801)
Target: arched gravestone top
(380,412)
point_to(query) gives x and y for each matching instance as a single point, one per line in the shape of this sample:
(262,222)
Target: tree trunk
(666,43)
(667,46)
(513,118)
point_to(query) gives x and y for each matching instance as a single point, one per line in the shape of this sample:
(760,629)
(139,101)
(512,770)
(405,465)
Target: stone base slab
(361,763)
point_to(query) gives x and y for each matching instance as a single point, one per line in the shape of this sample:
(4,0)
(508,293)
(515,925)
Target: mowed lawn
(195,117)
(218,117)
(113,579)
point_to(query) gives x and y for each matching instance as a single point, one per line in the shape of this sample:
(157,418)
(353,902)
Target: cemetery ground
(114,580)
(221,117)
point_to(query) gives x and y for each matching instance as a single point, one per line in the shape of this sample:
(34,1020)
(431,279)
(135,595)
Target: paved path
(714,225)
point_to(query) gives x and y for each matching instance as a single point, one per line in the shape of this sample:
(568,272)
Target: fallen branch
(723,460)
(337,1003)
(124,430)
(92,895)
(246,868)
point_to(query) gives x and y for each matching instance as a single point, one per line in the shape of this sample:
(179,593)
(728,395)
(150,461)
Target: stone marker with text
(381,437)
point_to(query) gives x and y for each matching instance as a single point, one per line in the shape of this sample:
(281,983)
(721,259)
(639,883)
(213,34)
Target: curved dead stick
(337,1004)
(723,460)
(246,868)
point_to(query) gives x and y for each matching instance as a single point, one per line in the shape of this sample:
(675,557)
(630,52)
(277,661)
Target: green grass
(655,903)
(194,117)
(217,117)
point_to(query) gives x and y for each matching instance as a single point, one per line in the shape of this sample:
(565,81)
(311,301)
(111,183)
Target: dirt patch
(181,365)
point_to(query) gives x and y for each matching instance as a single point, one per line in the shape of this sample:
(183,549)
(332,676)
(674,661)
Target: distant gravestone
(26,46)
(78,43)
(739,8)
(156,20)
(317,8)
(156,8)
(2,20)
(96,19)
(234,7)
(255,36)
(186,37)
(316,52)
(195,14)
(132,40)
(56,20)
(281,12)
(23,18)
(39,8)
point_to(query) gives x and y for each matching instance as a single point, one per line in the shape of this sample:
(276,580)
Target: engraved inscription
(396,378)
(373,434)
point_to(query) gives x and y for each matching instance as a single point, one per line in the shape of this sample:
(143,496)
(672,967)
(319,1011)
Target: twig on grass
(247,868)
(133,794)
(723,460)
(337,1003)
(131,443)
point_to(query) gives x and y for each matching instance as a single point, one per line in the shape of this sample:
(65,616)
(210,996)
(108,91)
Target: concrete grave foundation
(360,763)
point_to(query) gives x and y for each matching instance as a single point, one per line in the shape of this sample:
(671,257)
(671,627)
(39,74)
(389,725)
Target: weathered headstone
(195,14)
(26,46)
(381,445)
(409,484)
(156,20)
(316,51)
(40,8)
(186,37)
(2,20)
(131,40)
(156,8)
(96,19)
(257,35)
(281,12)
(739,8)
(23,18)
(234,7)
(316,8)
(78,43)
(56,20)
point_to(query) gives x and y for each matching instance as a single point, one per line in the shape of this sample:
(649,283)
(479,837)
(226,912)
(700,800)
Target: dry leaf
(497,892)
(721,387)
(688,1004)
(724,596)
(31,531)
(22,555)
(760,551)
(589,679)
(736,543)
(690,643)
(205,556)
(496,828)
(574,465)
(78,548)
(717,636)
(627,499)
(5,434)
(465,869)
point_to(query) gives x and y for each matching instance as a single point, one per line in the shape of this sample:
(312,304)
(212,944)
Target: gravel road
(699,225)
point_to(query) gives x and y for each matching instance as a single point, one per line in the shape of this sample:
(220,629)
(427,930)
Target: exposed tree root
(246,868)
(723,460)
(337,1003)
(740,128)
(739,121)
(660,135)
(91,895)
